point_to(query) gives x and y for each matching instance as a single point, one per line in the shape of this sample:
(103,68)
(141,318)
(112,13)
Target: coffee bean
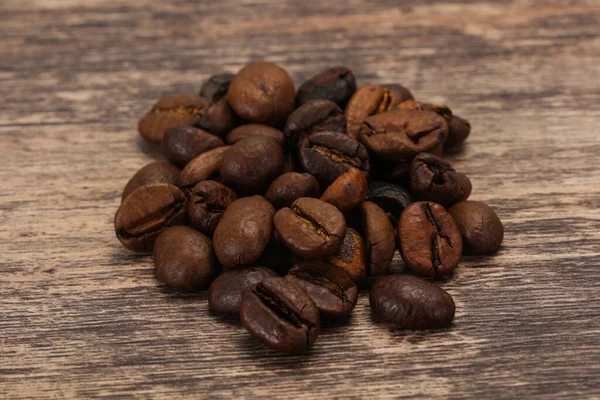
(158,171)
(184,258)
(392,198)
(244,231)
(433,179)
(314,116)
(329,287)
(311,228)
(146,212)
(205,166)
(208,202)
(348,191)
(262,92)
(411,303)
(181,144)
(352,256)
(225,293)
(244,131)
(281,315)
(170,111)
(277,256)
(327,155)
(480,227)
(252,164)
(402,134)
(289,187)
(440,109)
(429,239)
(400,92)
(216,86)
(379,238)
(458,131)
(335,84)
(219,118)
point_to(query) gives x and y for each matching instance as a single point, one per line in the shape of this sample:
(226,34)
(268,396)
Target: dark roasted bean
(181,144)
(379,238)
(335,84)
(314,116)
(289,187)
(480,227)
(208,202)
(156,172)
(433,179)
(205,166)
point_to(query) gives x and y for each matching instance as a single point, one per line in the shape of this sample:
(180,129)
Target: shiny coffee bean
(252,164)
(480,227)
(429,239)
(289,187)
(215,88)
(244,131)
(244,231)
(205,166)
(411,303)
(277,256)
(156,172)
(327,155)
(262,92)
(330,287)
(170,111)
(379,238)
(434,179)
(184,258)
(369,100)
(225,293)
(352,256)
(311,117)
(348,191)
(400,92)
(208,202)
(392,198)
(146,212)
(219,118)
(281,315)
(181,144)
(311,228)
(334,84)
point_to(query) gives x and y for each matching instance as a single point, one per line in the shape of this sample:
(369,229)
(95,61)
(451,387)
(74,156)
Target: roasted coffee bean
(402,134)
(369,100)
(289,187)
(262,92)
(219,118)
(327,155)
(146,212)
(434,179)
(429,239)
(392,198)
(205,166)
(244,231)
(411,303)
(330,287)
(170,111)
(348,191)
(379,238)
(458,131)
(281,315)
(277,256)
(335,84)
(156,172)
(311,228)
(402,94)
(480,227)
(249,130)
(352,256)
(440,109)
(216,86)
(314,116)
(225,293)
(184,258)
(252,164)
(181,144)
(208,202)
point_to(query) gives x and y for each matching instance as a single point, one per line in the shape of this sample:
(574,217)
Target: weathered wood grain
(82,317)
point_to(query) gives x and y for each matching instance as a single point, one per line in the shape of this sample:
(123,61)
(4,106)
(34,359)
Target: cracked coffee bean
(205,166)
(379,237)
(225,293)
(184,258)
(327,155)
(289,187)
(311,228)
(244,231)
(181,144)
(334,84)
(429,240)
(208,202)
(219,118)
(262,92)
(331,289)
(148,211)
(215,88)
(411,303)
(352,256)
(392,198)
(281,315)
(156,172)
(314,116)
(348,191)
(433,179)
(249,130)
(170,111)
(480,227)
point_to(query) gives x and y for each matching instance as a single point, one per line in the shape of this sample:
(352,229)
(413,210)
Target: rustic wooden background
(80,316)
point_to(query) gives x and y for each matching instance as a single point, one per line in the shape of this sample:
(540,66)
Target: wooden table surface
(82,317)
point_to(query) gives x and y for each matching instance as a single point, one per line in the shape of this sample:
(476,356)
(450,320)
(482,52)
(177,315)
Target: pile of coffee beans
(284,202)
